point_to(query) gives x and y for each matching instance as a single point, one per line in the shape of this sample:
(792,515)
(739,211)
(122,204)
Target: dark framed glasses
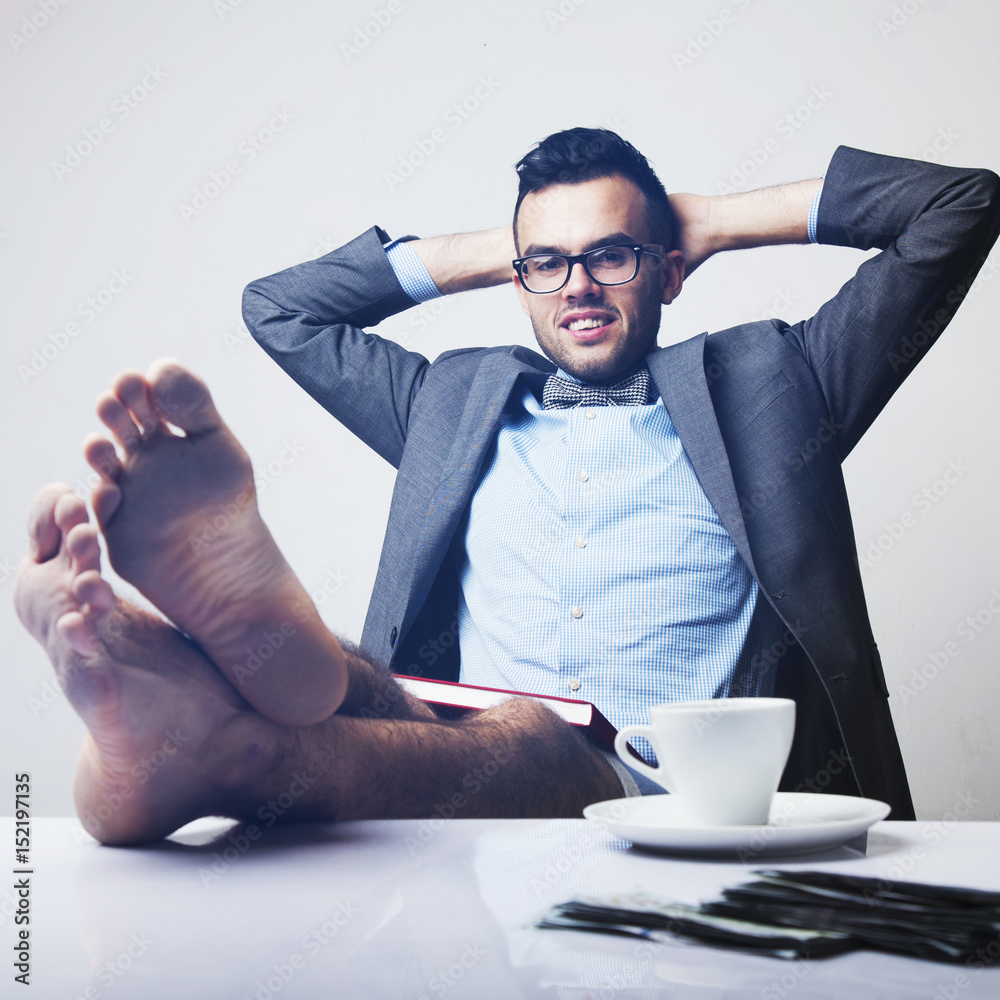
(548,272)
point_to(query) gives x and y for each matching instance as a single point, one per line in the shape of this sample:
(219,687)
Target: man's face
(571,219)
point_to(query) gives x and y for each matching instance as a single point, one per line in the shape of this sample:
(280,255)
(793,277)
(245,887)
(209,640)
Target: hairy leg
(170,739)
(179,514)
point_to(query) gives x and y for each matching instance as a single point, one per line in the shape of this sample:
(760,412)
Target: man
(769,536)
(719,511)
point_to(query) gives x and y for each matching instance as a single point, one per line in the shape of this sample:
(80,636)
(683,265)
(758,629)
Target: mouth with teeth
(585,328)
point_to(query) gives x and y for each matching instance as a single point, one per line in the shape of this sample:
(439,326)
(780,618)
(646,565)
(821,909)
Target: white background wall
(912,79)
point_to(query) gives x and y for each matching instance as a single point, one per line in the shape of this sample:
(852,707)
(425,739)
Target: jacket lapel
(679,374)
(477,431)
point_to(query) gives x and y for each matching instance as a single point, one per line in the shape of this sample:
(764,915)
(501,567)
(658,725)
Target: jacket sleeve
(309,319)
(934,226)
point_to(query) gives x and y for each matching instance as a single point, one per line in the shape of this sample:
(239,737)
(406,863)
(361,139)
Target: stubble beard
(624,356)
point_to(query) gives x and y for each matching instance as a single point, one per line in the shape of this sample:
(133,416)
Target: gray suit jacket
(766,412)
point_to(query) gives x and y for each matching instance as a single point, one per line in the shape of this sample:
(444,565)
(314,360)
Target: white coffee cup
(722,757)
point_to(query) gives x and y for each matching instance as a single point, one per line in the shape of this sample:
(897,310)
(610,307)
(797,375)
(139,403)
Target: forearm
(465,261)
(767,217)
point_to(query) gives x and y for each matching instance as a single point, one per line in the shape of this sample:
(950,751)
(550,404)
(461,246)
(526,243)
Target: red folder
(470,696)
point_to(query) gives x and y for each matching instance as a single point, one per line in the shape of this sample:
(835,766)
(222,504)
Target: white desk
(396,909)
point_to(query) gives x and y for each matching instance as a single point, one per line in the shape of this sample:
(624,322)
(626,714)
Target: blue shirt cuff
(410,271)
(813,218)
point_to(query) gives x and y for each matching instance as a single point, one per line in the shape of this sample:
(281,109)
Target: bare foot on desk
(179,514)
(169,739)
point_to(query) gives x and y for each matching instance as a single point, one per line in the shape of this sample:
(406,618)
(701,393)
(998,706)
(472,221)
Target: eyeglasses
(548,272)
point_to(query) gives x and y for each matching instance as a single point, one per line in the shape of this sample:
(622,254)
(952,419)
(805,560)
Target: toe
(82,545)
(70,511)
(105,498)
(132,390)
(79,634)
(102,458)
(115,416)
(43,532)
(182,398)
(92,591)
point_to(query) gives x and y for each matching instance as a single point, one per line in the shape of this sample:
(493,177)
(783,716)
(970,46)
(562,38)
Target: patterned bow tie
(560,393)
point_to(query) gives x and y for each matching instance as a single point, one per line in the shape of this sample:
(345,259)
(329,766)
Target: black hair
(583,154)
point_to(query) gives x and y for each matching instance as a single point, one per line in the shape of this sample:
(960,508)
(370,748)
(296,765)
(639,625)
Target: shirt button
(583,475)
(581,543)
(591,414)
(577,612)
(573,684)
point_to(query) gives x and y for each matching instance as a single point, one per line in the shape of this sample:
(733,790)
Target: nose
(580,284)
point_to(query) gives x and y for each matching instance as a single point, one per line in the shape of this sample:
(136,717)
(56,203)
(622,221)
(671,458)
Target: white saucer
(799,823)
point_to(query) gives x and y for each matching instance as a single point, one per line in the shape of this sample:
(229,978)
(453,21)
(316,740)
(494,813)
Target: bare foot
(179,514)
(169,739)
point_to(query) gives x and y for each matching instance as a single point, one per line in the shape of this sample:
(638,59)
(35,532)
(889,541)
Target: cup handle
(658,774)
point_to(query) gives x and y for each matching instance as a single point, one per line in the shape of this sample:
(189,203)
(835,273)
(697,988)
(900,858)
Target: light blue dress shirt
(594,566)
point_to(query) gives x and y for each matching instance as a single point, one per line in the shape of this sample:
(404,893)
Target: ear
(671,276)
(521,293)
